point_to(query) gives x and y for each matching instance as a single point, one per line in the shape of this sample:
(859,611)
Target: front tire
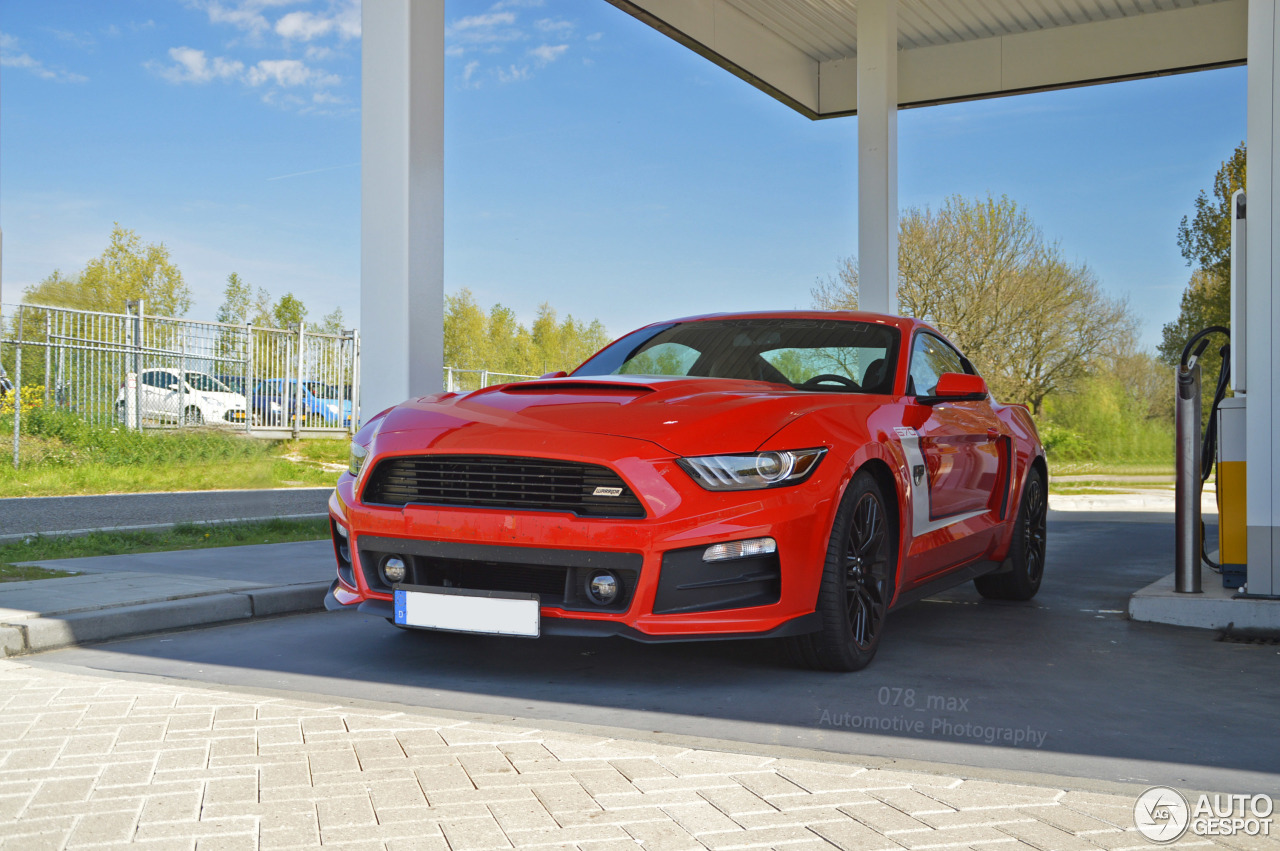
(192,417)
(1027,551)
(857,582)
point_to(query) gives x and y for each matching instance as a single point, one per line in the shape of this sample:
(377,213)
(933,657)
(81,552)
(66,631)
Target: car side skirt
(959,576)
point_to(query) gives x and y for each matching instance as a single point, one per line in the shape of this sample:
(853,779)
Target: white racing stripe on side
(918,476)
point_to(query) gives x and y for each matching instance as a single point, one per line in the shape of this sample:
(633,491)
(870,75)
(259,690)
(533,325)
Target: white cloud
(82,40)
(475,22)
(193,66)
(555,25)
(242,16)
(12,56)
(512,74)
(288,73)
(254,17)
(305,26)
(319,34)
(545,54)
(469,72)
(487,32)
(595,36)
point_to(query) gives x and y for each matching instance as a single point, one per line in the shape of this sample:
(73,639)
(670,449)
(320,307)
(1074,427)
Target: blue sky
(590,161)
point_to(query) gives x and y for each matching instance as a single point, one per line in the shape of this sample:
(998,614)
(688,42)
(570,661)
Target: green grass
(182,537)
(1109,468)
(62,455)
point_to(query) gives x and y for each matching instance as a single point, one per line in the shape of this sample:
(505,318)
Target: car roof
(905,323)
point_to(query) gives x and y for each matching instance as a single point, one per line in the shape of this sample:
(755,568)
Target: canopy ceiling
(804,52)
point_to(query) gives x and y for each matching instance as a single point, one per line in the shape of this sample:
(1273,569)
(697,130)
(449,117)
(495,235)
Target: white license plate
(461,610)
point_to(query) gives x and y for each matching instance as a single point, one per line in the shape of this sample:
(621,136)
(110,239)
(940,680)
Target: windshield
(321,390)
(807,354)
(202,383)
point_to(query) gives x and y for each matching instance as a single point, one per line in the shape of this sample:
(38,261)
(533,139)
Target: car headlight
(358,454)
(752,471)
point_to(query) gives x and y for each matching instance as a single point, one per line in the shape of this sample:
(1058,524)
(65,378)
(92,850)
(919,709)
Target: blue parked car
(275,402)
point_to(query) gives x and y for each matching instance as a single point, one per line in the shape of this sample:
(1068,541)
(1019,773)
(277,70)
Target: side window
(930,358)
(662,359)
(156,378)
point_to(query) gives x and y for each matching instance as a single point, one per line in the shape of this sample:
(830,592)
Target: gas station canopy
(826,58)
(804,52)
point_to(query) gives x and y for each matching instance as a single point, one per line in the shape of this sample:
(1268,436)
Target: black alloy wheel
(1027,550)
(857,582)
(866,570)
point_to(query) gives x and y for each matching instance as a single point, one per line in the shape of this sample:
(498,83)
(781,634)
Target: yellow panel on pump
(1232,529)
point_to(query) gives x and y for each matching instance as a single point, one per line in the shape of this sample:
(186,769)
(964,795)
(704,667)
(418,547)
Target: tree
(1206,244)
(497,342)
(466,333)
(332,323)
(125,270)
(237,301)
(288,311)
(1206,240)
(982,272)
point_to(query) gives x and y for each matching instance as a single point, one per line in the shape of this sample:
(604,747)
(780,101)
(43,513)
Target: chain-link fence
(152,372)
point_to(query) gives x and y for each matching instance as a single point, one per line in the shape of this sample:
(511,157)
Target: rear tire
(1027,551)
(192,417)
(858,580)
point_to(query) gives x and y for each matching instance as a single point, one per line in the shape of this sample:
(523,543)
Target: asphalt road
(49,515)
(1080,690)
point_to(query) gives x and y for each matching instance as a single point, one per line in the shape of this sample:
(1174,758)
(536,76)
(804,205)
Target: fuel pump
(1223,440)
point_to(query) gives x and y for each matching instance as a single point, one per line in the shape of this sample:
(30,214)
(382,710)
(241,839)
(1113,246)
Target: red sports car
(760,475)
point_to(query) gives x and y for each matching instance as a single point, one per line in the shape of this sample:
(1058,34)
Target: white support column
(878,155)
(402,201)
(1262,422)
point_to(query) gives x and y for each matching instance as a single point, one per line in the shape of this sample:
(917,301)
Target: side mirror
(559,373)
(956,387)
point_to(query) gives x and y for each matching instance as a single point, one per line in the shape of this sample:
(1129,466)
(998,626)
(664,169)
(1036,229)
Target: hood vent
(561,385)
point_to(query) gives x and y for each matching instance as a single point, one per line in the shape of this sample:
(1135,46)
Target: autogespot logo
(1161,814)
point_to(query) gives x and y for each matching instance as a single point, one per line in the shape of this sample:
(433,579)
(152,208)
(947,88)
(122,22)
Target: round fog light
(393,569)
(603,587)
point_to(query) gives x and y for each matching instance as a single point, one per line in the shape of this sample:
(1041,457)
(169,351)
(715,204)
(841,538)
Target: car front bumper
(670,592)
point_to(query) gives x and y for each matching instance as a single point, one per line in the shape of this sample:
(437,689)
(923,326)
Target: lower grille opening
(558,577)
(547,582)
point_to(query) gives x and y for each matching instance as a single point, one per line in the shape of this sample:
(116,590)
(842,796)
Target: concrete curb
(38,634)
(158,527)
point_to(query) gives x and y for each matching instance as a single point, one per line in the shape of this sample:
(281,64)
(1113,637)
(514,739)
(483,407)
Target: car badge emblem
(607,492)
(917,473)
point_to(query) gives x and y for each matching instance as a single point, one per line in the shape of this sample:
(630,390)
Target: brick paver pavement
(98,762)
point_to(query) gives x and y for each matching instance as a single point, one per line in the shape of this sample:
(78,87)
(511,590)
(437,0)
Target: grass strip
(181,537)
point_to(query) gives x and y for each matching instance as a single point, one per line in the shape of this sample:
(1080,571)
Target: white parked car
(164,396)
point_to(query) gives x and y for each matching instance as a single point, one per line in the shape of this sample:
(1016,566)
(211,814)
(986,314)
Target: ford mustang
(791,475)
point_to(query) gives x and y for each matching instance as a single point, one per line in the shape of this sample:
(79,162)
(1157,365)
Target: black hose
(1199,335)
(1209,446)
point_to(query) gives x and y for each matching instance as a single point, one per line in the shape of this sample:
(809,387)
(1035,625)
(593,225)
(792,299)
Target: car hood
(225,400)
(686,416)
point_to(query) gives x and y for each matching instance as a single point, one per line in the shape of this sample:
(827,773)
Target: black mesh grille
(494,481)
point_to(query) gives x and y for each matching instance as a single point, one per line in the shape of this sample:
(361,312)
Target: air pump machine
(1223,439)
